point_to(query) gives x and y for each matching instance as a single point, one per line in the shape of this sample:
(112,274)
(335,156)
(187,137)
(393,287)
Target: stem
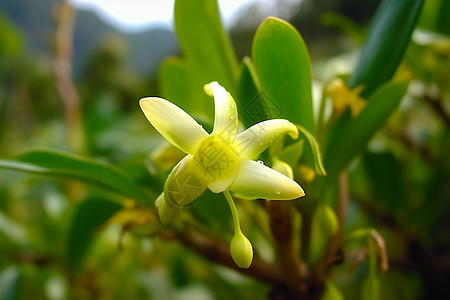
(288,255)
(218,252)
(333,247)
(234,213)
(63,74)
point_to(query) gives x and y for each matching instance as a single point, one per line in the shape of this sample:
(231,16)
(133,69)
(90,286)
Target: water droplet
(261,143)
(278,192)
(263,130)
(232,105)
(260,162)
(231,117)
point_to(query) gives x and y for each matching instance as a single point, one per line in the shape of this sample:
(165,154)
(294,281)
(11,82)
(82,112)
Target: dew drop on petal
(231,117)
(278,192)
(260,162)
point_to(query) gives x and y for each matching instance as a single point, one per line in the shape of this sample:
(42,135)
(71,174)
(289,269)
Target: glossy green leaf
(205,43)
(283,68)
(88,217)
(349,142)
(9,283)
(386,42)
(250,101)
(65,165)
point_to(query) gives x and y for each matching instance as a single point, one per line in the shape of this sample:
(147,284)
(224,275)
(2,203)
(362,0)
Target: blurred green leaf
(205,43)
(371,285)
(332,292)
(176,84)
(88,217)
(292,153)
(384,171)
(11,41)
(435,16)
(386,42)
(51,162)
(349,142)
(9,283)
(345,24)
(13,231)
(283,67)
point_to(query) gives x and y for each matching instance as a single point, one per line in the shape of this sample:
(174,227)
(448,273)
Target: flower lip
(217,163)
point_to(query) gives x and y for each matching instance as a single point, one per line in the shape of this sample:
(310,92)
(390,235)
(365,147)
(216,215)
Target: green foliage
(283,68)
(55,163)
(66,236)
(386,43)
(349,142)
(9,283)
(87,219)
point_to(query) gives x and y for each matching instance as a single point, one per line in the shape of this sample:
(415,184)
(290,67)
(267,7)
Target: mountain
(145,50)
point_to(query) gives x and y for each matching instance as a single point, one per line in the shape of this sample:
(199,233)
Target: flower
(343,97)
(222,161)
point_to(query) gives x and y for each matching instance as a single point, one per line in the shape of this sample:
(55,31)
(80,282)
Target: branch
(281,225)
(331,254)
(64,16)
(219,252)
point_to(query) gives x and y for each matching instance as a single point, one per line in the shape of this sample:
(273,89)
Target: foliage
(372,158)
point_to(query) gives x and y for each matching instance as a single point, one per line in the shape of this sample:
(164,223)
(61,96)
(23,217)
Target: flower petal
(173,123)
(225,111)
(255,180)
(251,142)
(183,184)
(166,212)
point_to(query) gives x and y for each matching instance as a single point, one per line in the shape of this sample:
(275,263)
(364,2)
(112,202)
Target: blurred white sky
(132,15)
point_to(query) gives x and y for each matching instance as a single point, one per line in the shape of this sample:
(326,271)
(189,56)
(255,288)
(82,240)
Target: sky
(135,15)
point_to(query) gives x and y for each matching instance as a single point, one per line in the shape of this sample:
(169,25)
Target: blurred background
(87,63)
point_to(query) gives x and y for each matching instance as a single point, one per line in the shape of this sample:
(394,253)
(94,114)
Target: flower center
(216,159)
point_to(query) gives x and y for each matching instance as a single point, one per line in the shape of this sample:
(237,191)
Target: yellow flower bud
(241,250)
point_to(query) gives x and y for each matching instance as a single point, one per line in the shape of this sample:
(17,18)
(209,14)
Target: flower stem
(234,213)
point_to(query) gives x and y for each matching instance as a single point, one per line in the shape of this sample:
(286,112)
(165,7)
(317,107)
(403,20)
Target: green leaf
(388,37)
(345,24)
(385,175)
(292,153)
(283,68)
(177,84)
(371,285)
(56,163)
(352,139)
(205,43)
(315,150)
(9,283)
(331,292)
(88,217)
(252,106)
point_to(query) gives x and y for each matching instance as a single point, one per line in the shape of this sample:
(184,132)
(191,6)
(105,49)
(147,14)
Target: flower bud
(166,213)
(327,220)
(241,250)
